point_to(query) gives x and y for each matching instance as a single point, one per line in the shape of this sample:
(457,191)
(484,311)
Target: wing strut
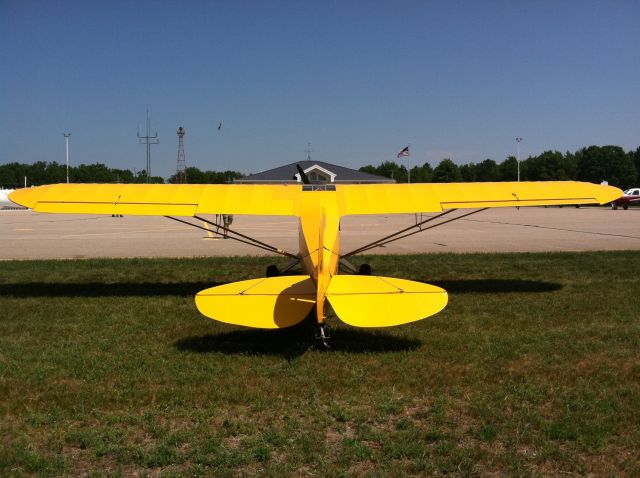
(246,239)
(401,233)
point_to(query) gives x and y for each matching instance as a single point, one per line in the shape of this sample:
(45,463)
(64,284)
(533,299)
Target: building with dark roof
(316,171)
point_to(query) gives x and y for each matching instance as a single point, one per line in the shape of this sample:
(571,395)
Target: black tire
(364,270)
(272,271)
(625,206)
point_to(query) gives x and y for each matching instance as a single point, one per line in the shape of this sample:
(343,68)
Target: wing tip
(26,197)
(608,193)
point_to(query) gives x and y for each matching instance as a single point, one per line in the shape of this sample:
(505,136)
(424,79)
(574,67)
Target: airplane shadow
(287,343)
(103,289)
(495,286)
(149,289)
(293,342)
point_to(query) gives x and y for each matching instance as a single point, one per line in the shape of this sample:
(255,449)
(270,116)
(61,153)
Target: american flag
(404,152)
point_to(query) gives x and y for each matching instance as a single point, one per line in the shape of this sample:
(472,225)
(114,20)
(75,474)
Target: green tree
(635,156)
(606,163)
(487,170)
(196,176)
(222,177)
(469,172)
(41,172)
(422,174)
(508,169)
(123,176)
(12,175)
(549,166)
(392,170)
(37,173)
(447,172)
(92,173)
(368,169)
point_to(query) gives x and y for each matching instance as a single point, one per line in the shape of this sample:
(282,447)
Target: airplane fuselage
(319,241)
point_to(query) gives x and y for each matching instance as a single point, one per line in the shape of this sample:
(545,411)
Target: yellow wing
(161,199)
(434,197)
(191,199)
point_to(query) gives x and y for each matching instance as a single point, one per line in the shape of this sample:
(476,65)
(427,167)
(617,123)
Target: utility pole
(66,143)
(518,141)
(148,140)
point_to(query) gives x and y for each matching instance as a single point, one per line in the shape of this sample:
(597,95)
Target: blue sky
(358,80)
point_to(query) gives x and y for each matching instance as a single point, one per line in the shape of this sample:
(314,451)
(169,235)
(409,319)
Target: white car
(4,199)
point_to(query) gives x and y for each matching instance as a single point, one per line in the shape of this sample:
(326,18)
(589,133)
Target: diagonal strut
(246,239)
(400,234)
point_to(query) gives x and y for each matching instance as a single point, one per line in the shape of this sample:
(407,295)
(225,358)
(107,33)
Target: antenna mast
(148,140)
(308,151)
(181,170)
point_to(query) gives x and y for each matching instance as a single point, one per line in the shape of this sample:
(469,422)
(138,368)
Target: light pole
(518,141)
(66,143)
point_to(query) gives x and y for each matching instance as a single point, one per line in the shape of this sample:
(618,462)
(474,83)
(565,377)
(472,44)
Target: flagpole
(408,168)
(405,152)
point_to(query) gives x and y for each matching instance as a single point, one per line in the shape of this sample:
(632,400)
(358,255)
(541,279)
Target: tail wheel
(323,336)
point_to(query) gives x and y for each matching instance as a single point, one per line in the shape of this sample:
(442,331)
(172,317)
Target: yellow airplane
(281,301)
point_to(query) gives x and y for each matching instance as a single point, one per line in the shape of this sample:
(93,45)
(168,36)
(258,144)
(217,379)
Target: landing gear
(323,336)
(272,271)
(364,270)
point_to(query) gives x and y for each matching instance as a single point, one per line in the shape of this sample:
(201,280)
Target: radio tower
(181,173)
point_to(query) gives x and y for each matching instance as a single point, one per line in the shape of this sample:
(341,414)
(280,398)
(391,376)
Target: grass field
(533,369)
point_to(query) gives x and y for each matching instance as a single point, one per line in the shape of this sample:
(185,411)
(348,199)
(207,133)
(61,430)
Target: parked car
(630,196)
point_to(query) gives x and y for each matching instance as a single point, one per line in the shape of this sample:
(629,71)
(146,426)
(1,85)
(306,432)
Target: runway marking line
(210,236)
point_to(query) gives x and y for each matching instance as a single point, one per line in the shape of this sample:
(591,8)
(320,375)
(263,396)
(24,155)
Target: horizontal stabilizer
(370,301)
(270,303)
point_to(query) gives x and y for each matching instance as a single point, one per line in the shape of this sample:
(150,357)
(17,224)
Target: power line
(148,140)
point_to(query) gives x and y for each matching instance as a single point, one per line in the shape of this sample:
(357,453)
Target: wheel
(625,206)
(272,271)
(323,336)
(614,206)
(364,270)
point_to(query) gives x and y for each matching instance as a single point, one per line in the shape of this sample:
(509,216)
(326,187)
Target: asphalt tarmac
(28,235)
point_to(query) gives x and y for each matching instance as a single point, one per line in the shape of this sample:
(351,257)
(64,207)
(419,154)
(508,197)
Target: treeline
(593,164)
(195,176)
(12,175)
